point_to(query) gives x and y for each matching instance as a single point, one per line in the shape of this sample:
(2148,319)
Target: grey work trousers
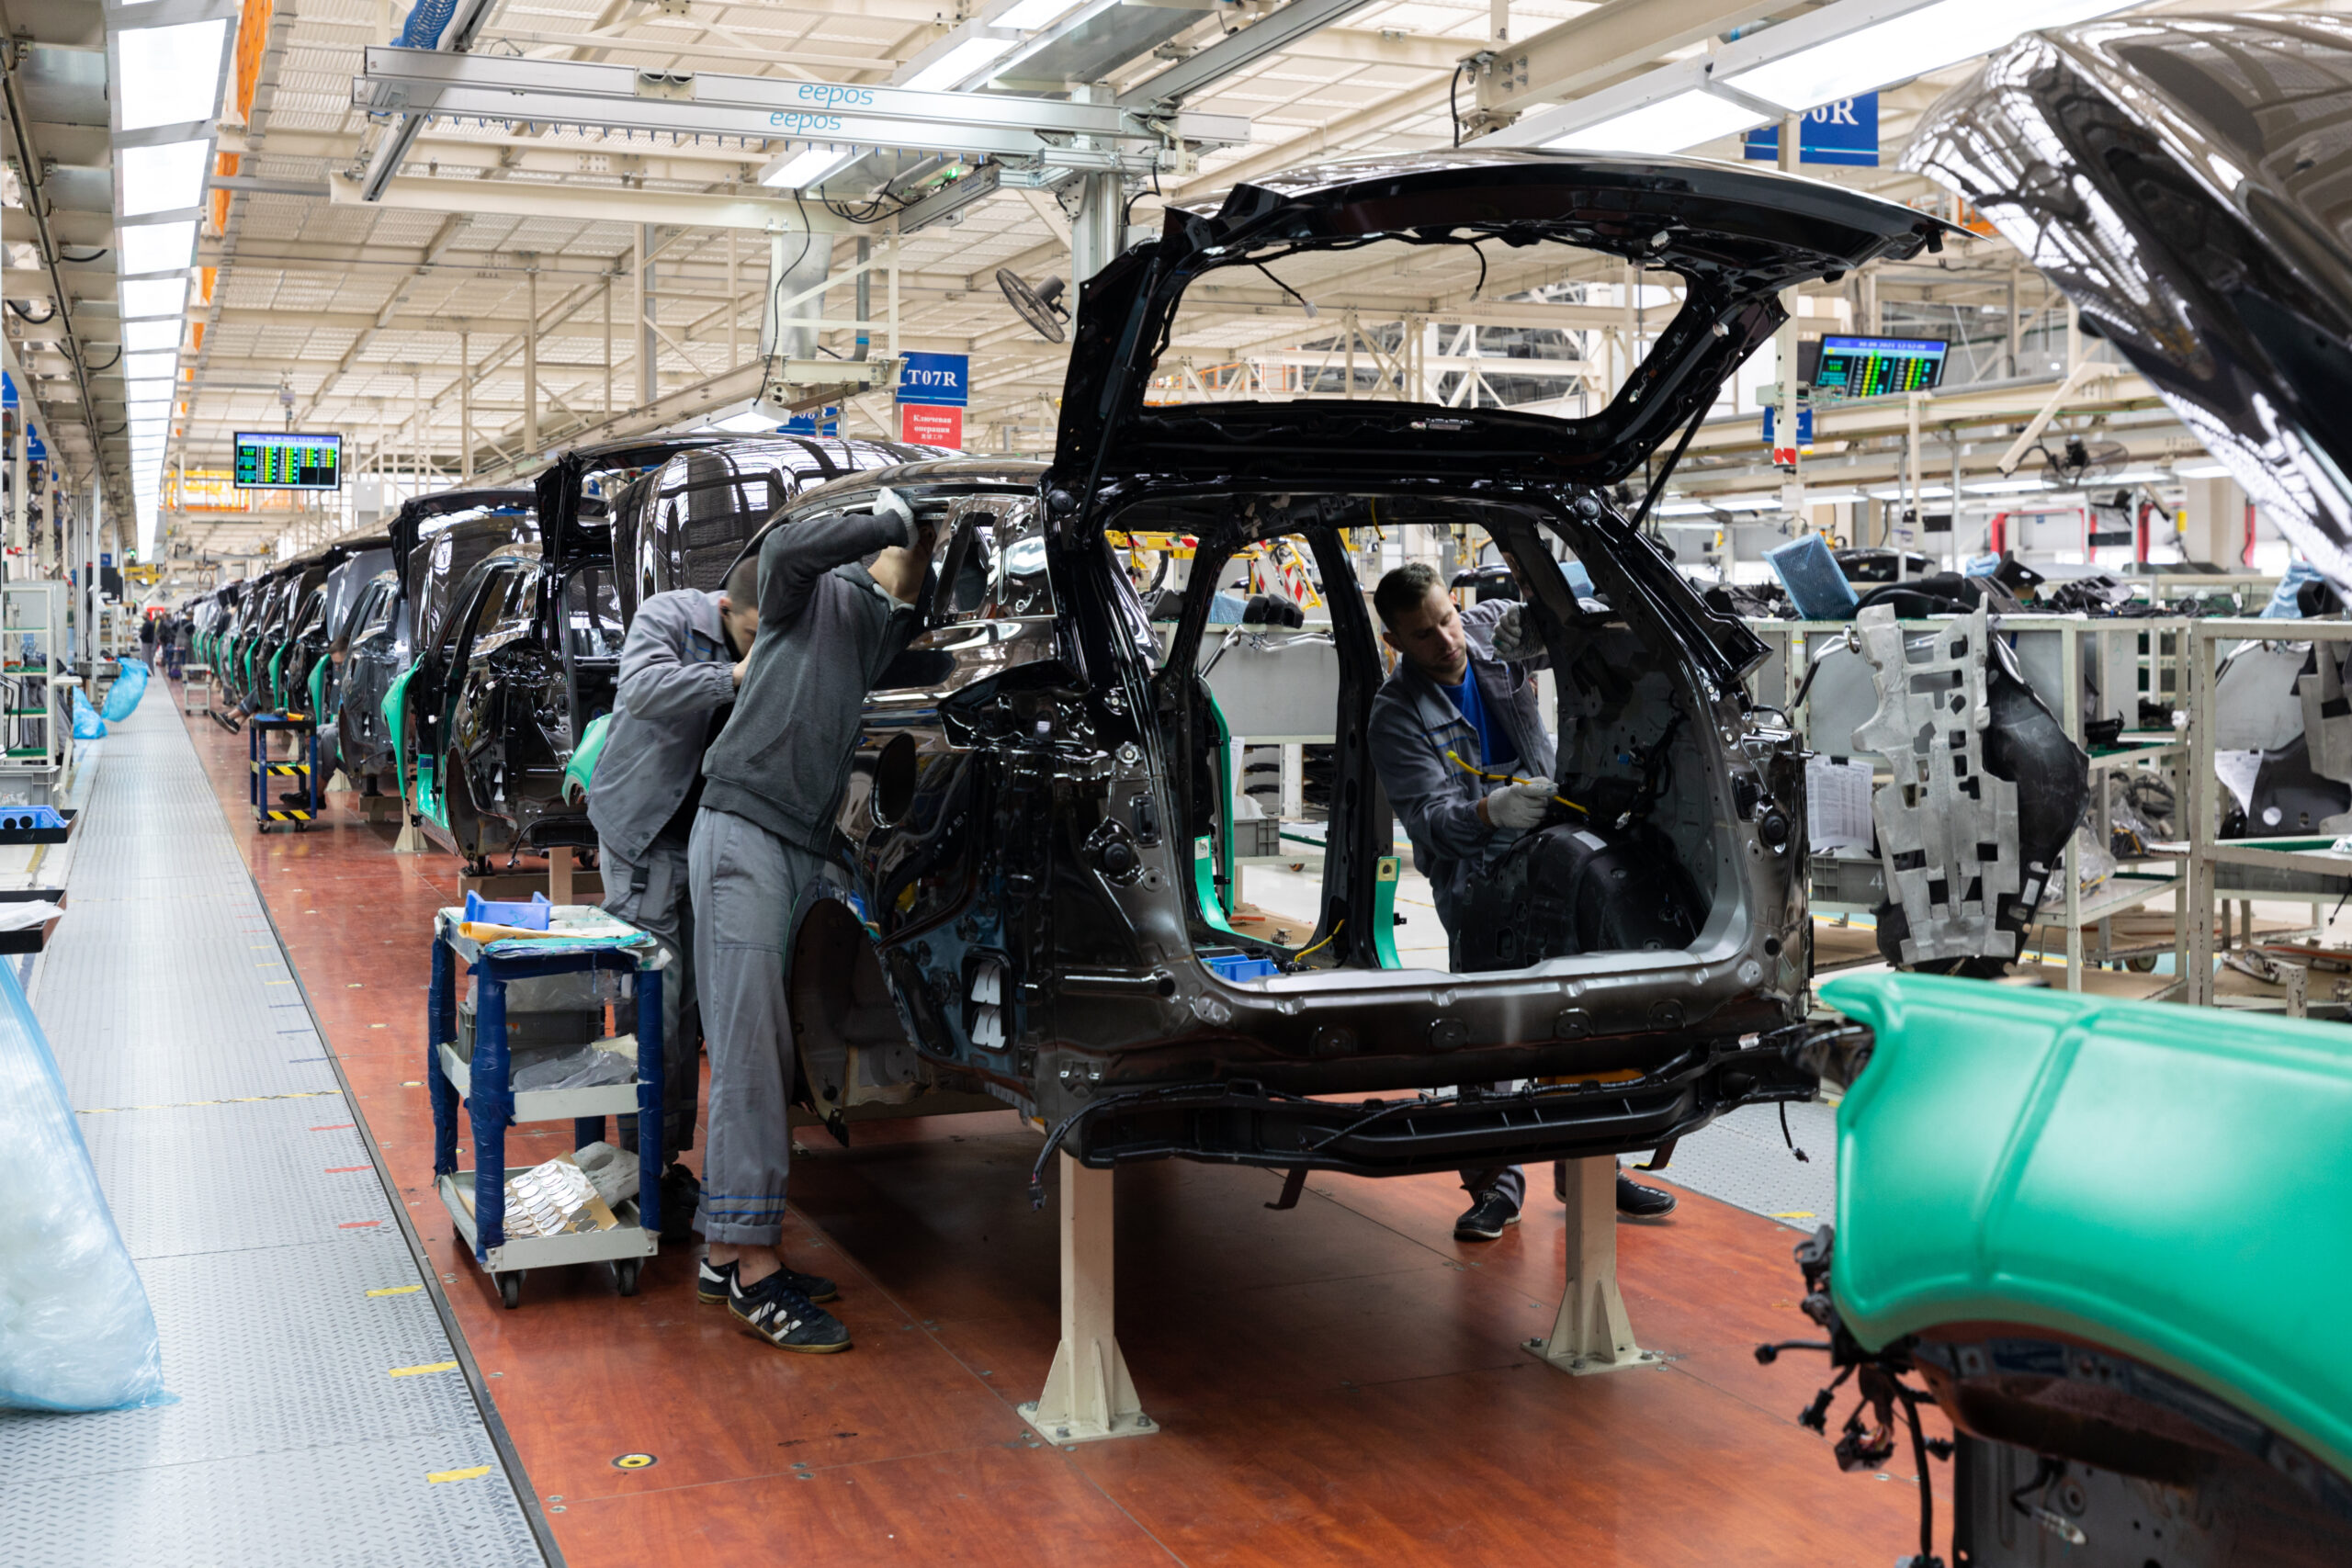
(745,882)
(651,894)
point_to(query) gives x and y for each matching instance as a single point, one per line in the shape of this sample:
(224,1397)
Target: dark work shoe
(784,1318)
(1486,1217)
(716,1282)
(1642,1202)
(681,1196)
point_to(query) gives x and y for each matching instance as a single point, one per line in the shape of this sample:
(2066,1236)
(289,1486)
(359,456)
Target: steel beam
(523,199)
(1235,52)
(1586,52)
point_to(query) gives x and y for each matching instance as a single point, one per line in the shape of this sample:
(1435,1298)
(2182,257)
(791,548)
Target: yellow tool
(1507,778)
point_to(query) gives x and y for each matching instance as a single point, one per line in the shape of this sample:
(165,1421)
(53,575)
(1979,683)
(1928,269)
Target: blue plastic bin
(1234,967)
(530,917)
(1815,586)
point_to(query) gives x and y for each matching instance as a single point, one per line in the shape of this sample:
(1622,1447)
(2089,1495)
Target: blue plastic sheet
(75,1330)
(87,725)
(122,697)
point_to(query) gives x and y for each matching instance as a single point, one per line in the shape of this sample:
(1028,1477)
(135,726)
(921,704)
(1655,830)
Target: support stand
(1087,1395)
(411,837)
(1592,1333)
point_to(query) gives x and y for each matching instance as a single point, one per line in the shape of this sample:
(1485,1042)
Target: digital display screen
(292,461)
(1869,366)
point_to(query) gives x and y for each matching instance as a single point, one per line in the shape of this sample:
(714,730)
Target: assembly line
(1510,845)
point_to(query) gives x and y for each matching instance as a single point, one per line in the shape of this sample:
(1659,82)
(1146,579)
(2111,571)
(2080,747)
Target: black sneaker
(716,1282)
(1486,1216)
(784,1318)
(1637,1201)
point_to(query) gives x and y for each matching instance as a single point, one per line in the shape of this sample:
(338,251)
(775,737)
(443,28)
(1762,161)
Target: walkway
(325,1414)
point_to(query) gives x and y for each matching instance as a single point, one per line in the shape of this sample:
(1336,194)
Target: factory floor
(1339,1383)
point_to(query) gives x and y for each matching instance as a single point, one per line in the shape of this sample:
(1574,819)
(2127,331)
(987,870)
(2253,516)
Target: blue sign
(8,390)
(825,422)
(1805,424)
(940,380)
(35,451)
(1844,132)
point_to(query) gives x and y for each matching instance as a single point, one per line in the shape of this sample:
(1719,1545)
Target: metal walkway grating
(249,1199)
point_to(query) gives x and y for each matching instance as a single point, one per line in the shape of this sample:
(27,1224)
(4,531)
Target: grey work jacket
(675,672)
(827,633)
(1414,724)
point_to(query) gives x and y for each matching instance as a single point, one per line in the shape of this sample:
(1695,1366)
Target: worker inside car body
(680,666)
(772,785)
(1451,727)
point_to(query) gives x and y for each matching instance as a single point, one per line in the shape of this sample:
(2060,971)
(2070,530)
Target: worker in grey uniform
(680,666)
(773,780)
(1453,726)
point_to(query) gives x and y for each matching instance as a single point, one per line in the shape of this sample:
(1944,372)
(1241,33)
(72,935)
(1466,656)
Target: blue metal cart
(262,791)
(476,1199)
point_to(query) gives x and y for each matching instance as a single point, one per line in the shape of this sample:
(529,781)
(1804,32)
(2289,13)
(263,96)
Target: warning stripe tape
(233,1099)
(395,1290)
(420,1372)
(469,1474)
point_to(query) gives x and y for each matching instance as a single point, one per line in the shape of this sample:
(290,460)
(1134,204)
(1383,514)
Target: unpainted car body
(1015,868)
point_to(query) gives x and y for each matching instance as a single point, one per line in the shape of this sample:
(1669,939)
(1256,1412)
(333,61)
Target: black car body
(378,639)
(2176,178)
(1020,856)
(305,672)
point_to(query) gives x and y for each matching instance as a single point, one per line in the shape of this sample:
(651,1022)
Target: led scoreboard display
(1869,366)
(290,461)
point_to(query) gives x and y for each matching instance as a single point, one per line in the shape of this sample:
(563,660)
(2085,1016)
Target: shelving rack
(38,731)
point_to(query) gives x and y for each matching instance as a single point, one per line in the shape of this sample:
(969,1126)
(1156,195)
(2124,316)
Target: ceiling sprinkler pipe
(865,299)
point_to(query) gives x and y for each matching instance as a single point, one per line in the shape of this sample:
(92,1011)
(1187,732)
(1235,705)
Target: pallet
(380,807)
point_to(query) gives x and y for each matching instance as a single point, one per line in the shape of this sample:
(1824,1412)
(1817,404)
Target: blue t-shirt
(1495,748)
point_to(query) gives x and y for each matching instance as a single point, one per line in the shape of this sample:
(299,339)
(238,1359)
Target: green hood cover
(581,772)
(2172,1182)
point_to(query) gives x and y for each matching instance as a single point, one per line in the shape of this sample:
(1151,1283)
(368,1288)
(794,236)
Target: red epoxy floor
(1337,1384)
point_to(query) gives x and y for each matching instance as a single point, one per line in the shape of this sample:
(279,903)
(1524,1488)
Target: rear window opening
(1282,798)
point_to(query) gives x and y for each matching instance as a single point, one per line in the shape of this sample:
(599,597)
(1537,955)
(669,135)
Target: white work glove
(1511,641)
(888,503)
(1521,806)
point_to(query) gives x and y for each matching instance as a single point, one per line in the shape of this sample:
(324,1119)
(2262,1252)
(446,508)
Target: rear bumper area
(1245,1124)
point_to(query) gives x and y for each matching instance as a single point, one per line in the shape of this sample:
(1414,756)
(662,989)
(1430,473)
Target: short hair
(742,588)
(1404,589)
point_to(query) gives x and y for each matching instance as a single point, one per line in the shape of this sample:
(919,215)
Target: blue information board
(826,421)
(1844,132)
(940,380)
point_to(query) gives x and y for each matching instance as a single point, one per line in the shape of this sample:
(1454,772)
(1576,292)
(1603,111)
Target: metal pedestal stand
(1592,1333)
(1089,1395)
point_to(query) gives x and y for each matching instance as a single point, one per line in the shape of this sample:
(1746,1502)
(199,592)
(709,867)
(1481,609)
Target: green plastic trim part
(319,714)
(276,682)
(1384,911)
(2169,1182)
(395,708)
(581,772)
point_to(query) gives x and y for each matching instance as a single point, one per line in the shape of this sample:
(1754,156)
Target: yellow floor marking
(420,1372)
(191,1104)
(1797,1214)
(467,1474)
(397,1290)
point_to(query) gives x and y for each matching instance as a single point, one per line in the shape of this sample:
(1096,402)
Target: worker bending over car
(680,666)
(772,785)
(1459,742)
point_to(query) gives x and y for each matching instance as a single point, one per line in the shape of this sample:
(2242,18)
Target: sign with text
(938,380)
(1843,131)
(826,421)
(267,460)
(927,424)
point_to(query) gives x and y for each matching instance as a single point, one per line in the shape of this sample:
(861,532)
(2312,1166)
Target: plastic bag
(76,1329)
(87,725)
(122,697)
(579,1067)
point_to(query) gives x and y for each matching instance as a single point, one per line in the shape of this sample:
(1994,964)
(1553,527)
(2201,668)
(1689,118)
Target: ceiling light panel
(158,247)
(1899,48)
(965,59)
(138,337)
(1667,126)
(169,75)
(162,179)
(152,296)
(147,366)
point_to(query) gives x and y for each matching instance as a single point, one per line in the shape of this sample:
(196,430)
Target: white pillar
(2214,523)
(531,363)
(465,406)
(648,381)
(1591,1333)
(1087,1395)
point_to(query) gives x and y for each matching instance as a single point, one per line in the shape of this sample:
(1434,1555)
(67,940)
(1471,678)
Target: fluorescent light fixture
(1899,48)
(751,421)
(2200,471)
(148,409)
(147,366)
(2004,487)
(169,75)
(146,392)
(138,337)
(965,60)
(152,296)
(1927,493)
(1832,496)
(1028,16)
(164,178)
(1667,126)
(156,247)
(805,168)
(1684,509)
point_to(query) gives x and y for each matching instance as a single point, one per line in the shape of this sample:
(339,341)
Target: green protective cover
(581,772)
(319,689)
(2172,1182)
(276,667)
(395,711)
